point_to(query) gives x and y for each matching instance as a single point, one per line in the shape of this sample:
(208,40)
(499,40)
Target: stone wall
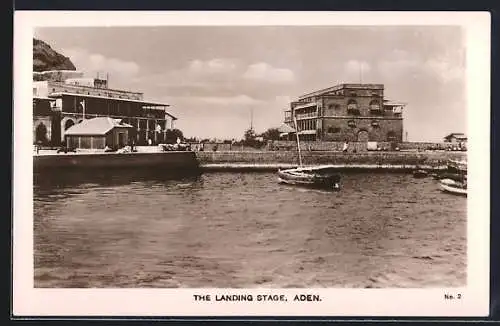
(309,158)
(377,128)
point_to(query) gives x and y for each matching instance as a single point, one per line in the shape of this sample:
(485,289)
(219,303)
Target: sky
(214,77)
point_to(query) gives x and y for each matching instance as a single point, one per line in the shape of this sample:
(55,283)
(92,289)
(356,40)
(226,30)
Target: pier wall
(165,160)
(431,158)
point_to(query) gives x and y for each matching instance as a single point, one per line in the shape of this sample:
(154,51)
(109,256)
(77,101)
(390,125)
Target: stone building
(62,99)
(347,112)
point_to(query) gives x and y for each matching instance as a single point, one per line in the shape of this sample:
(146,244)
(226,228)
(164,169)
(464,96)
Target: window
(374,105)
(333,130)
(352,107)
(375,124)
(351,123)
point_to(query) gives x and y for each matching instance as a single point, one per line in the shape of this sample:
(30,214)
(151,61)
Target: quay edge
(161,160)
(249,161)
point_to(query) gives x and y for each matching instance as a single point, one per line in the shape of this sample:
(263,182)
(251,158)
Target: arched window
(68,124)
(332,110)
(41,133)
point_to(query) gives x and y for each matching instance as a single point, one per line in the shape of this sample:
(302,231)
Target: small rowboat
(458,166)
(448,175)
(310,178)
(453,187)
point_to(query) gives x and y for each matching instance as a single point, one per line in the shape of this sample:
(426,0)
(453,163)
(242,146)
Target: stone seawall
(429,159)
(165,160)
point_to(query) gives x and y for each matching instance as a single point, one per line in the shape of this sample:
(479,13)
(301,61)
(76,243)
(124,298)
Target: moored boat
(317,177)
(449,175)
(309,177)
(453,186)
(457,166)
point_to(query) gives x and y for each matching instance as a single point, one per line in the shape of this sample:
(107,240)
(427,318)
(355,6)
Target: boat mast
(298,143)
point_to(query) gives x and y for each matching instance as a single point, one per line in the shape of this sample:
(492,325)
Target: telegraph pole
(251,118)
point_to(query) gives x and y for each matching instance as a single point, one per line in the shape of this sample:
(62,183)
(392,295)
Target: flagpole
(298,143)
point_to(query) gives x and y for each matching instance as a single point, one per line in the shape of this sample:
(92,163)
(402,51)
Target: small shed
(456,138)
(97,133)
(286,131)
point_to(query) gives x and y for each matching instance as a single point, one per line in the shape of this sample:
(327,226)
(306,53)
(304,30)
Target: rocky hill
(45,58)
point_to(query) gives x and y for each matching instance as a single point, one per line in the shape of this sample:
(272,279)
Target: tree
(171,136)
(249,137)
(271,134)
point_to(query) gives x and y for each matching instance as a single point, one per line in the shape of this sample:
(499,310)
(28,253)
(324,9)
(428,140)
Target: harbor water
(124,229)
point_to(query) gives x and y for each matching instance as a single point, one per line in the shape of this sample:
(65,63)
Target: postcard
(251,164)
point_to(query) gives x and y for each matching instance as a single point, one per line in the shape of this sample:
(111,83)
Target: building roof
(284,128)
(96,126)
(41,98)
(458,135)
(393,103)
(342,86)
(145,103)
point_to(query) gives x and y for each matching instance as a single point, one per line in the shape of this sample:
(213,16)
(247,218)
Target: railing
(306,115)
(82,89)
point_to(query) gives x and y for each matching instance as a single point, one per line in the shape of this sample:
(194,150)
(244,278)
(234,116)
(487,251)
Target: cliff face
(45,58)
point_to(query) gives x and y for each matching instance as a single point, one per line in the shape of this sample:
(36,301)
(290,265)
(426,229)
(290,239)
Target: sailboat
(315,177)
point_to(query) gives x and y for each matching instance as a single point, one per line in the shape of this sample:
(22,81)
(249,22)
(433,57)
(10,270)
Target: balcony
(308,115)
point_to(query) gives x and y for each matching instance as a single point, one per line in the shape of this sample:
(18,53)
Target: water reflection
(153,228)
(108,178)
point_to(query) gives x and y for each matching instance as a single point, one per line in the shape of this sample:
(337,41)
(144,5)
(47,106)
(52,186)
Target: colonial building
(62,99)
(347,112)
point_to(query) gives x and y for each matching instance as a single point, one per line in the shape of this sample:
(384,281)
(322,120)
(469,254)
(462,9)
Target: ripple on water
(246,230)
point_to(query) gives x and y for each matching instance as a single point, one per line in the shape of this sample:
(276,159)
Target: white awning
(307,105)
(307,132)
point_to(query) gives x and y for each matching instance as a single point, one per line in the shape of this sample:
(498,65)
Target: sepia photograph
(254,162)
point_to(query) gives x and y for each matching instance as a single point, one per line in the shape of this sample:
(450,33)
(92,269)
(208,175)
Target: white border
(179,302)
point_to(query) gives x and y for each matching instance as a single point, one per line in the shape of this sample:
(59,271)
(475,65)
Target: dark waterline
(153,229)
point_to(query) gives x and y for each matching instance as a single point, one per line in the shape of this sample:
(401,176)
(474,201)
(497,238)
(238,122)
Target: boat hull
(307,178)
(450,186)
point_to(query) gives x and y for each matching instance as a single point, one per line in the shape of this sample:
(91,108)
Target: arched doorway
(391,136)
(41,133)
(68,124)
(363,136)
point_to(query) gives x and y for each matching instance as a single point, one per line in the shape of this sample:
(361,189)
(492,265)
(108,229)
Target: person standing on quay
(344,148)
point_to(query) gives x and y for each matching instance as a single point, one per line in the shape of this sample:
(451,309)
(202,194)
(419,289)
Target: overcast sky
(214,76)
